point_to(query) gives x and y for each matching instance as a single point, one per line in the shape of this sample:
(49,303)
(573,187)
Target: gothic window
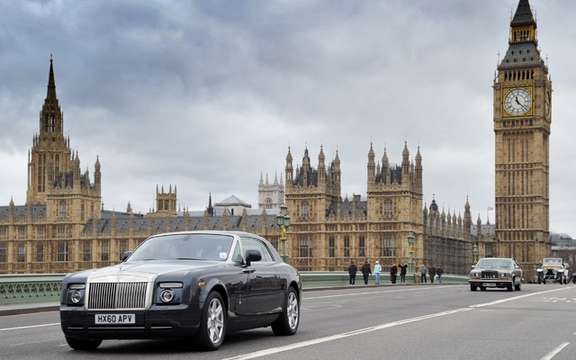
(62,209)
(82,210)
(387,245)
(21,252)
(331,247)
(123,246)
(304,248)
(21,232)
(40,252)
(346,246)
(388,209)
(268,203)
(62,251)
(105,250)
(305,209)
(3,232)
(3,251)
(87,251)
(362,246)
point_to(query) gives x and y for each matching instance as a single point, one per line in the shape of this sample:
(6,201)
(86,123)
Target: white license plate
(102,319)
(489,285)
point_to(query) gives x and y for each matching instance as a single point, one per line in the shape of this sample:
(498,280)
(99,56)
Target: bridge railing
(44,288)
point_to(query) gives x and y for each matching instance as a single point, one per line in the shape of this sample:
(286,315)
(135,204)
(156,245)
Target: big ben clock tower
(522,118)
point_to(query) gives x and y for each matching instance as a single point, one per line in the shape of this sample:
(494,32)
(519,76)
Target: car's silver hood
(145,270)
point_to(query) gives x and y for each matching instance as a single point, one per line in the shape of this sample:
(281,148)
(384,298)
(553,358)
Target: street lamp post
(283,221)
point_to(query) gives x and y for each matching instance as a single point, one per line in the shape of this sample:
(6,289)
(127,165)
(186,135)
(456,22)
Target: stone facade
(270,194)
(522,119)
(327,232)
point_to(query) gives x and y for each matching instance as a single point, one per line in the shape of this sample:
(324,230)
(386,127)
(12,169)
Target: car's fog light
(76,297)
(167,296)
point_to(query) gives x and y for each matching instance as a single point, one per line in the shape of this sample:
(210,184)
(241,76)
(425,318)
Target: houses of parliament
(63,227)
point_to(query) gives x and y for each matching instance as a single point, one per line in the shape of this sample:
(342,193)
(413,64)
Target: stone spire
(51,93)
(523,15)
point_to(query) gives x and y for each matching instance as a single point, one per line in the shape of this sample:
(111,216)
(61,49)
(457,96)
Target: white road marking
(302,344)
(29,327)
(377,292)
(555,352)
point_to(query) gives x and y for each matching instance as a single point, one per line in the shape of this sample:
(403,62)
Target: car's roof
(495,258)
(210,232)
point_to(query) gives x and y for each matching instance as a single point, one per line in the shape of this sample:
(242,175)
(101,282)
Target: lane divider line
(376,292)
(29,327)
(555,352)
(302,344)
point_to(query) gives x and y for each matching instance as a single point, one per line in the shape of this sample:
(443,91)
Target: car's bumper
(156,322)
(500,283)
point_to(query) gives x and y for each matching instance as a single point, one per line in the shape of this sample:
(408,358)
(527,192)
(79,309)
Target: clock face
(517,102)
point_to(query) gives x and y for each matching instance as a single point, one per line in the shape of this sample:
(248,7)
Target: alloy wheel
(293,310)
(215,321)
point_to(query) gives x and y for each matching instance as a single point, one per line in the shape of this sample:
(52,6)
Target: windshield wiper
(187,258)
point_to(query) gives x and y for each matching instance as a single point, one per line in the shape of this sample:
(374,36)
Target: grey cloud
(207,94)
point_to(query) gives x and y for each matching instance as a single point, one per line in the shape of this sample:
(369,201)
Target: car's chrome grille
(489,274)
(121,295)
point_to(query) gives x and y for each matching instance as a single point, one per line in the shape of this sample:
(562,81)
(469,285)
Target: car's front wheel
(473,287)
(213,325)
(518,286)
(288,322)
(83,344)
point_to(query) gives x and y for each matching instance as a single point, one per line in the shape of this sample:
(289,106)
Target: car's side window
(237,255)
(254,244)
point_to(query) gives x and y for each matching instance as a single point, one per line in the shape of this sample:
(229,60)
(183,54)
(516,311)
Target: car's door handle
(248,271)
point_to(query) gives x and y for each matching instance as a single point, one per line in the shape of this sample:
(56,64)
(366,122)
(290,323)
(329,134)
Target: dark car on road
(196,285)
(496,273)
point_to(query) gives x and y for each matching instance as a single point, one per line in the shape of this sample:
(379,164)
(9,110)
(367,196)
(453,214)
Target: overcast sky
(207,94)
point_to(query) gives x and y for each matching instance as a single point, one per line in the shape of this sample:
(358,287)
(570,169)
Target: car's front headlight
(169,293)
(75,294)
(504,275)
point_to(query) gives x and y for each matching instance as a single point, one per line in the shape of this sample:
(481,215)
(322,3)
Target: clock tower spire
(522,119)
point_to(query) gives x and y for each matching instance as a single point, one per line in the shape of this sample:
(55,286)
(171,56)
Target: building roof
(232,201)
(21,211)
(523,15)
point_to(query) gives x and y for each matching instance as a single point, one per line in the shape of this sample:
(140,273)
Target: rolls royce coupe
(196,285)
(496,273)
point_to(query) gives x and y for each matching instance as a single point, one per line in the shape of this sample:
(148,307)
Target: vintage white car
(553,270)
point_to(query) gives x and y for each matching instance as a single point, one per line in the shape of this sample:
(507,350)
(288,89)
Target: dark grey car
(496,273)
(196,285)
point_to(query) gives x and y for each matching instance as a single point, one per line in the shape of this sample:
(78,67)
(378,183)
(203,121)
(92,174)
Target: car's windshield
(494,264)
(184,247)
(553,261)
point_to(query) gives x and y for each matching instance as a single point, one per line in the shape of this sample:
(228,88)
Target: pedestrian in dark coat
(432,272)
(366,272)
(403,270)
(393,273)
(352,270)
(440,272)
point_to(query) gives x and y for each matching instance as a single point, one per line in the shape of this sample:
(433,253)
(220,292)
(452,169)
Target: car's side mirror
(252,256)
(125,255)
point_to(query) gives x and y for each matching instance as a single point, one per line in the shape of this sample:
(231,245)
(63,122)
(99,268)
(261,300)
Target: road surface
(433,322)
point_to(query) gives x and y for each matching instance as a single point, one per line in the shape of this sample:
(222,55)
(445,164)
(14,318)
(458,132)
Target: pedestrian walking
(439,272)
(393,274)
(403,270)
(377,272)
(366,272)
(423,274)
(352,270)
(432,272)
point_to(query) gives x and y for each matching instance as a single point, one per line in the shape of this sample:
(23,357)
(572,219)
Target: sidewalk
(16,309)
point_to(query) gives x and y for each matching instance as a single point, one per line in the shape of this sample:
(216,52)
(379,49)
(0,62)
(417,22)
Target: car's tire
(482,288)
(473,287)
(213,322)
(518,286)
(544,281)
(83,344)
(510,287)
(288,323)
